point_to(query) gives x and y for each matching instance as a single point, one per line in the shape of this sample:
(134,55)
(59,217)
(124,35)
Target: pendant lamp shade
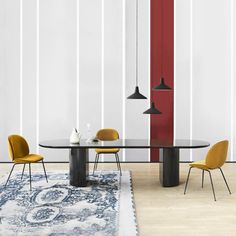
(136,94)
(162,85)
(152,110)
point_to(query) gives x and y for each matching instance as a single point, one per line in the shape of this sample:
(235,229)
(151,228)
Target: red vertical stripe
(162,125)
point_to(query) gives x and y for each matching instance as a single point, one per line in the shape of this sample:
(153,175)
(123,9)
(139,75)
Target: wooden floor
(167,211)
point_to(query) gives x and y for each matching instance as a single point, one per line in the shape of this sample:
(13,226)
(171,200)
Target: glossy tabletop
(125,143)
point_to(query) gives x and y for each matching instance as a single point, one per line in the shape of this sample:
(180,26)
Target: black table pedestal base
(79,167)
(169,167)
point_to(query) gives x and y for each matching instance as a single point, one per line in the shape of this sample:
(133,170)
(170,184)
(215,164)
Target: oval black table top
(125,143)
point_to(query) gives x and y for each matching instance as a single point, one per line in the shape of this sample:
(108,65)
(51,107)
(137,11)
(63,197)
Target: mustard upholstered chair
(215,159)
(107,135)
(19,153)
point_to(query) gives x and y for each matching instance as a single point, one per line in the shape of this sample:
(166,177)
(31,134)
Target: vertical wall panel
(9,72)
(113,67)
(57,73)
(90,67)
(162,65)
(213,68)
(137,124)
(182,73)
(29,72)
(233,74)
(3,90)
(211,71)
(144,73)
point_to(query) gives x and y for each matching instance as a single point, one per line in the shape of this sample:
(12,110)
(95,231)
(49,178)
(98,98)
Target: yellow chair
(19,153)
(107,135)
(215,159)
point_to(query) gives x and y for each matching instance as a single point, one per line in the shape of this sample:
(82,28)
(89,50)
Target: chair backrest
(18,147)
(217,155)
(107,134)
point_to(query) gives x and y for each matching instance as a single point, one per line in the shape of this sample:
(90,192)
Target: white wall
(10,72)
(68,63)
(204,73)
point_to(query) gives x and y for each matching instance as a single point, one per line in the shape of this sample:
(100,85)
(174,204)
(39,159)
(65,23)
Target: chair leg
(202,177)
(95,163)
(9,175)
(30,176)
(23,172)
(225,180)
(45,171)
(96,167)
(212,185)
(185,189)
(118,163)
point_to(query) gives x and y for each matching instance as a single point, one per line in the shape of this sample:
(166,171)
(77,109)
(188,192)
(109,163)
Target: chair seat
(107,150)
(199,164)
(31,158)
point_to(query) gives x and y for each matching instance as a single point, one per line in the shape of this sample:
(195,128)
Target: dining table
(169,152)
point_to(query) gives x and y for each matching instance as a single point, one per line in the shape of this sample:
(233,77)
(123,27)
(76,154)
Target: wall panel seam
(232,79)
(21,67)
(37,75)
(191,75)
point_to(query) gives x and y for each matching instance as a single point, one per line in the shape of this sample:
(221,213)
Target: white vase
(75,136)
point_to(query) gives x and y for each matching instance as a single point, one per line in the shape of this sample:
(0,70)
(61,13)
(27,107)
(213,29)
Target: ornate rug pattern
(56,208)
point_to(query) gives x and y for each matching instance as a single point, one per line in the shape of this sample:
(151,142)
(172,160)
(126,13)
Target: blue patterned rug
(56,208)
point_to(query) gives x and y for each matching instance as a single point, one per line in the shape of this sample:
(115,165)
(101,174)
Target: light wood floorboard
(167,211)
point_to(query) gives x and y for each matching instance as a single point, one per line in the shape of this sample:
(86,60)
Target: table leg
(169,167)
(79,167)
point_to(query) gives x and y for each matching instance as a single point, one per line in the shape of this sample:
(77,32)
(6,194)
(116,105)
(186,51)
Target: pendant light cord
(162,44)
(136,75)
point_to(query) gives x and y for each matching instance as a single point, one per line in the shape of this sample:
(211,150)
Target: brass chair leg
(45,171)
(185,189)
(212,185)
(30,176)
(23,172)
(202,177)
(95,163)
(9,175)
(118,163)
(225,179)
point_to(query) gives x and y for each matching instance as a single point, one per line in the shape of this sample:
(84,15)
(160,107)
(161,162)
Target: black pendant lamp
(136,94)
(162,85)
(152,110)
